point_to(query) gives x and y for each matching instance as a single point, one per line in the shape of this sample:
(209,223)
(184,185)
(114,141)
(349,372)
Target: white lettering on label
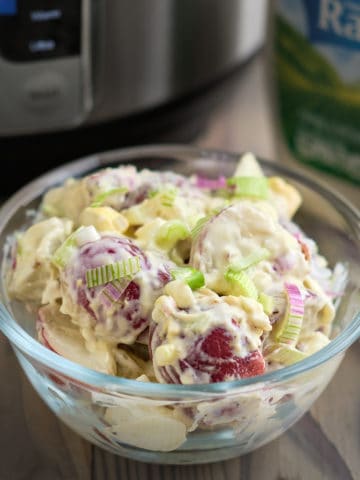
(329,18)
(334,18)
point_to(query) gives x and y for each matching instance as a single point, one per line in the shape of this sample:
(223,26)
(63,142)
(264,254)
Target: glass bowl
(178,424)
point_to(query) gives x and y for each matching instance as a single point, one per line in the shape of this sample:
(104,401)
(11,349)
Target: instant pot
(76,71)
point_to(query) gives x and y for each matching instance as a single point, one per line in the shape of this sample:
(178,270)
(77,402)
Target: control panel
(36,29)
(44,64)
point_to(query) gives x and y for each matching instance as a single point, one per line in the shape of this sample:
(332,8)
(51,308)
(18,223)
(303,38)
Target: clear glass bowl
(179,424)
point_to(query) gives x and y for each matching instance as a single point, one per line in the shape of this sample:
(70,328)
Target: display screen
(33,30)
(8,7)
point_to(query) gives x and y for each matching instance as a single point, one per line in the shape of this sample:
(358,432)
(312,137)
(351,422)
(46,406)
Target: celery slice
(194,278)
(81,236)
(152,193)
(267,302)
(62,255)
(252,259)
(170,233)
(166,196)
(101,197)
(199,226)
(250,186)
(288,329)
(242,283)
(112,271)
(285,354)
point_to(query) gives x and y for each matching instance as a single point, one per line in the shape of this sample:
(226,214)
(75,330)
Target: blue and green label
(317,54)
(334,22)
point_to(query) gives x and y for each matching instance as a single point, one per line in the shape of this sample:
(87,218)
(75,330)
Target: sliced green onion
(112,271)
(285,354)
(288,329)
(252,259)
(170,233)
(194,278)
(250,186)
(242,283)
(101,197)
(267,302)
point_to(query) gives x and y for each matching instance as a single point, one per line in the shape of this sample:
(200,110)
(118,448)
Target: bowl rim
(20,339)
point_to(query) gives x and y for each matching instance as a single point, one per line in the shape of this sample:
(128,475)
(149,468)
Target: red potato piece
(238,231)
(124,316)
(59,334)
(211,358)
(213,354)
(213,341)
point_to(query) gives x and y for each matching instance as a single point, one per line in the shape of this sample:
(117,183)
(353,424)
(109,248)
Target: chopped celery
(64,252)
(267,302)
(199,225)
(285,354)
(170,233)
(288,329)
(250,186)
(101,197)
(112,271)
(81,236)
(166,196)
(242,283)
(246,262)
(152,193)
(194,278)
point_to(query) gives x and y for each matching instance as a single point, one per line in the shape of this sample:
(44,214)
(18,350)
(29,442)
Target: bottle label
(334,22)
(317,54)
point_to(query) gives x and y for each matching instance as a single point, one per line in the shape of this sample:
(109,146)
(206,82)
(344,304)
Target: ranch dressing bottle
(317,78)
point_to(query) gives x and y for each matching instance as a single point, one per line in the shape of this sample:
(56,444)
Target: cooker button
(44,45)
(45,15)
(45,91)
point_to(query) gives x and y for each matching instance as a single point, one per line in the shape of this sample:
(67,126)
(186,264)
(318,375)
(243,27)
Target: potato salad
(155,276)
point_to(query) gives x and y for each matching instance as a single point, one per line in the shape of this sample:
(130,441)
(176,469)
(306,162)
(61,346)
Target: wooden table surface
(324,444)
